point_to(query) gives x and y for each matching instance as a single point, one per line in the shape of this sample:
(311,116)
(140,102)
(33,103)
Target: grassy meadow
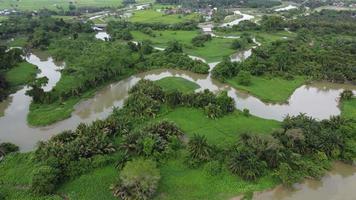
(55,4)
(275,90)
(348,108)
(21,74)
(177,83)
(213,50)
(153,16)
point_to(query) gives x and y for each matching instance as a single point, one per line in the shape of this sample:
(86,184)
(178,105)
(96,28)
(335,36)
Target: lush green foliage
(138,180)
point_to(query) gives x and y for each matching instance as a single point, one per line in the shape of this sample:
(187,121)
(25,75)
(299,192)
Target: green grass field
(274,90)
(263,37)
(222,131)
(177,83)
(348,108)
(153,16)
(16,172)
(21,74)
(45,114)
(55,4)
(19,41)
(212,51)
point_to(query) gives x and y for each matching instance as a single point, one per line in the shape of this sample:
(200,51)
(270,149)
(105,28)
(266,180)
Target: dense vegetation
(325,57)
(223,3)
(9,59)
(168,141)
(303,147)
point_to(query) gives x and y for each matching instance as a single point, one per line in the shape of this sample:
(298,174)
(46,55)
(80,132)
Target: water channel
(319,100)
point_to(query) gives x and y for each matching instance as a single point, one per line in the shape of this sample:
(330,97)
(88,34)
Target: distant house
(143,7)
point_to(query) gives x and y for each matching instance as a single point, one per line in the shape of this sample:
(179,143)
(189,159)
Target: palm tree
(199,149)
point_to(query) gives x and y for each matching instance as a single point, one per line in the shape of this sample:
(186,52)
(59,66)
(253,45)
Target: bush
(213,168)
(346,95)
(138,180)
(246,112)
(199,40)
(7,147)
(213,111)
(2,196)
(44,180)
(199,150)
(247,165)
(225,69)
(287,175)
(244,78)
(153,140)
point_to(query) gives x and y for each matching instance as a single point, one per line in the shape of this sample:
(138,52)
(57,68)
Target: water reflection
(338,184)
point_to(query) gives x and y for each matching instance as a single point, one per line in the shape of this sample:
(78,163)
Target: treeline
(323,49)
(90,63)
(118,141)
(324,22)
(41,30)
(9,58)
(327,22)
(222,3)
(325,59)
(114,26)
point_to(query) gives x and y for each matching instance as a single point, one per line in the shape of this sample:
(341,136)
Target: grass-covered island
(169,139)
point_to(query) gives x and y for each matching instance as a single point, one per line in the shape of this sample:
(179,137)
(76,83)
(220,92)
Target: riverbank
(178,180)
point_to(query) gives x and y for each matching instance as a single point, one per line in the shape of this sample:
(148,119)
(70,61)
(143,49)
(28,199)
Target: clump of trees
(346,95)
(6,148)
(199,40)
(303,147)
(137,26)
(226,69)
(138,180)
(9,58)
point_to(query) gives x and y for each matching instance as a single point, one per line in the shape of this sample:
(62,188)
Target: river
(319,100)
(337,184)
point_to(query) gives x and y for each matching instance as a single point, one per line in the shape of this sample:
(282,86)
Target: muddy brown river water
(319,100)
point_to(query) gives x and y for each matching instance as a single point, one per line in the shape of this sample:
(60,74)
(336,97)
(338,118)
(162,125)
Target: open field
(177,83)
(213,50)
(263,37)
(152,16)
(55,4)
(274,90)
(348,108)
(21,74)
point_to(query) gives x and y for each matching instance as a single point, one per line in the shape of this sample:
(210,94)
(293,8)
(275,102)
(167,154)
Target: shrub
(247,165)
(244,78)
(213,168)
(287,175)
(7,147)
(138,180)
(213,111)
(225,69)
(246,112)
(153,140)
(199,150)
(346,95)
(199,40)
(44,180)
